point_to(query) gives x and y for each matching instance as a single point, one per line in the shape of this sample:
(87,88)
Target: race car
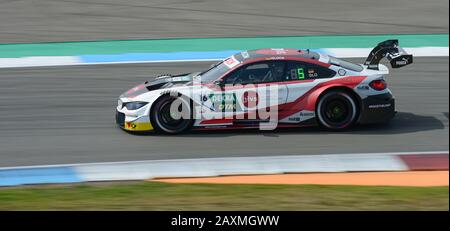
(267,89)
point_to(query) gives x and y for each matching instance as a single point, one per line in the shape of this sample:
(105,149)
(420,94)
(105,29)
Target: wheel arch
(341,88)
(156,102)
(346,89)
(170,93)
(314,98)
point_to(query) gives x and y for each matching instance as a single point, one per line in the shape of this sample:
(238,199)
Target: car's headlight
(135,105)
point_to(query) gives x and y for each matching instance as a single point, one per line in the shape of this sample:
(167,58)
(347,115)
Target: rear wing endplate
(392,51)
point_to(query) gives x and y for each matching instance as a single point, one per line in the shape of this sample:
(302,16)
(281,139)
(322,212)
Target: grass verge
(166,196)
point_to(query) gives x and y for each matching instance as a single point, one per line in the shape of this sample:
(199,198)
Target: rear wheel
(171,115)
(337,110)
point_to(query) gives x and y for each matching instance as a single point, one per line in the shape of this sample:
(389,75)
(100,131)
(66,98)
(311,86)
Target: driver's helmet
(278,71)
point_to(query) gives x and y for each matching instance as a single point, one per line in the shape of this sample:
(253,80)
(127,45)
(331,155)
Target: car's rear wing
(392,51)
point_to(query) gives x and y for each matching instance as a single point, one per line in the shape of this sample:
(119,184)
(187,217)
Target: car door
(258,89)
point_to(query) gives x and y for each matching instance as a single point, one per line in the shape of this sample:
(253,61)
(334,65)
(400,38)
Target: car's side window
(301,70)
(261,72)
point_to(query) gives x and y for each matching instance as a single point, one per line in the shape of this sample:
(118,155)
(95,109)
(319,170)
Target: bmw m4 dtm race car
(267,89)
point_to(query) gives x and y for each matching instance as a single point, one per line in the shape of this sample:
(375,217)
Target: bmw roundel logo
(342,72)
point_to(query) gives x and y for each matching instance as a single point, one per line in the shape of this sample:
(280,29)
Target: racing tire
(165,121)
(337,110)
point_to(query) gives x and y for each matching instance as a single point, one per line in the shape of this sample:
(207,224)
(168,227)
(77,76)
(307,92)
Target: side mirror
(220,83)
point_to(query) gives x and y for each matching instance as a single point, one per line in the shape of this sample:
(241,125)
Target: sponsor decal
(231,62)
(227,107)
(221,102)
(275,58)
(179,79)
(279,51)
(215,98)
(307,114)
(404,61)
(250,99)
(245,54)
(380,105)
(297,119)
(138,126)
(312,73)
(363,87)
(130,125)
(301,116)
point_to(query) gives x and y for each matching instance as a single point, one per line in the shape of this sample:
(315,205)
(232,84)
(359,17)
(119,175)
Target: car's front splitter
(140,124)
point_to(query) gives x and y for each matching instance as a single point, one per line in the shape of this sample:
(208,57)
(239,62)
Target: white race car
(266,89)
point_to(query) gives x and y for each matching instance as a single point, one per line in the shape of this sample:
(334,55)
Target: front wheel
(337,110)
(171,115)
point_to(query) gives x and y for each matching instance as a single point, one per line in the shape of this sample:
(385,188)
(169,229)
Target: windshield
(345,64)
(214,72)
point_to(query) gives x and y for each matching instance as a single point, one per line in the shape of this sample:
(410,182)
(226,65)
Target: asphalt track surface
(75,20)
(57,115)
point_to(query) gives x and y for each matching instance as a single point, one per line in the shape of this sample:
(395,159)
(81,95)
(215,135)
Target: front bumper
(140,124)
(377,109)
